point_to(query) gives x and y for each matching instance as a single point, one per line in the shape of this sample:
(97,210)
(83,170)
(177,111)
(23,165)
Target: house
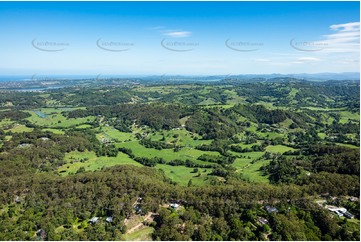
(109,219)
(104,141)
(270,209)
(349,215)
(174,205)
(138,210)
(94,220)
(340,211)
(40,234)
(262,221)
(336,209)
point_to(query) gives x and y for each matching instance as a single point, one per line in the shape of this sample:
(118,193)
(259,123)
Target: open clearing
(88,160)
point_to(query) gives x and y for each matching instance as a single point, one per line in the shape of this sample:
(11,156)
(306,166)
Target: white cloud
(338,50)
(346,38)
(172,33)
(177,34)
(308,58)
(354,26)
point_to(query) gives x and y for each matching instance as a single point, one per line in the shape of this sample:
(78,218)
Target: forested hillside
(274,159)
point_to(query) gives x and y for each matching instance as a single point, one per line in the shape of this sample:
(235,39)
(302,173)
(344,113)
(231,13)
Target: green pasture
(180,137)
(17,128)
(167,154)
(279,148)
(182,174)
(143,234)
(92,162)
(52,117)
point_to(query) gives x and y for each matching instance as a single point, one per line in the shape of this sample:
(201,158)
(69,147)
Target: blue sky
(168,38)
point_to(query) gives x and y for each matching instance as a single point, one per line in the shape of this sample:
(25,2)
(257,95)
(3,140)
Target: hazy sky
(204,38)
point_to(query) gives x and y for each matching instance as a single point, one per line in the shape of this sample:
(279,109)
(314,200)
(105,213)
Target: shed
(94,220)
(270,209)
(174,205)
(262,221)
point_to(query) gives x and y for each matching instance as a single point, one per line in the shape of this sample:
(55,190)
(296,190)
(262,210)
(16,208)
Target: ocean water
(14,78)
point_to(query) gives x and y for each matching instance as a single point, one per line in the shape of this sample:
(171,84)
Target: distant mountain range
(311,77)
(314,77)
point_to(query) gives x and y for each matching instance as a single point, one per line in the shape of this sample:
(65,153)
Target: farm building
(262,221)
(270,209)
(340,211)
(174,205)
(94,220)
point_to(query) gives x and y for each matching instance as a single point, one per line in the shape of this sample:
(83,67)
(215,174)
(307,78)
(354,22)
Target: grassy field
(182,174)
(92,162)
(5,123)
(167,154)
(278,148)
(179,174)
(8,137)
(52,117)
(251,171)
(144,234)
(346,116)
(292,93)
(84,126)
(180,137)
(55,131)
(286,123)
(17,128)
(114,134)
(348,145)
(322,135)
(323,109)
(270,135)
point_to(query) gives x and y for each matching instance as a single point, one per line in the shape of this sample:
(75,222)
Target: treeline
(156,116)
(334,159)
(21,100)
(229,212)
(326,168)
(90,97)
(217,159)
(260,114)
(151,162)
(41,151)
(212,124)
(159,145)
(253,148)
(14,115)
